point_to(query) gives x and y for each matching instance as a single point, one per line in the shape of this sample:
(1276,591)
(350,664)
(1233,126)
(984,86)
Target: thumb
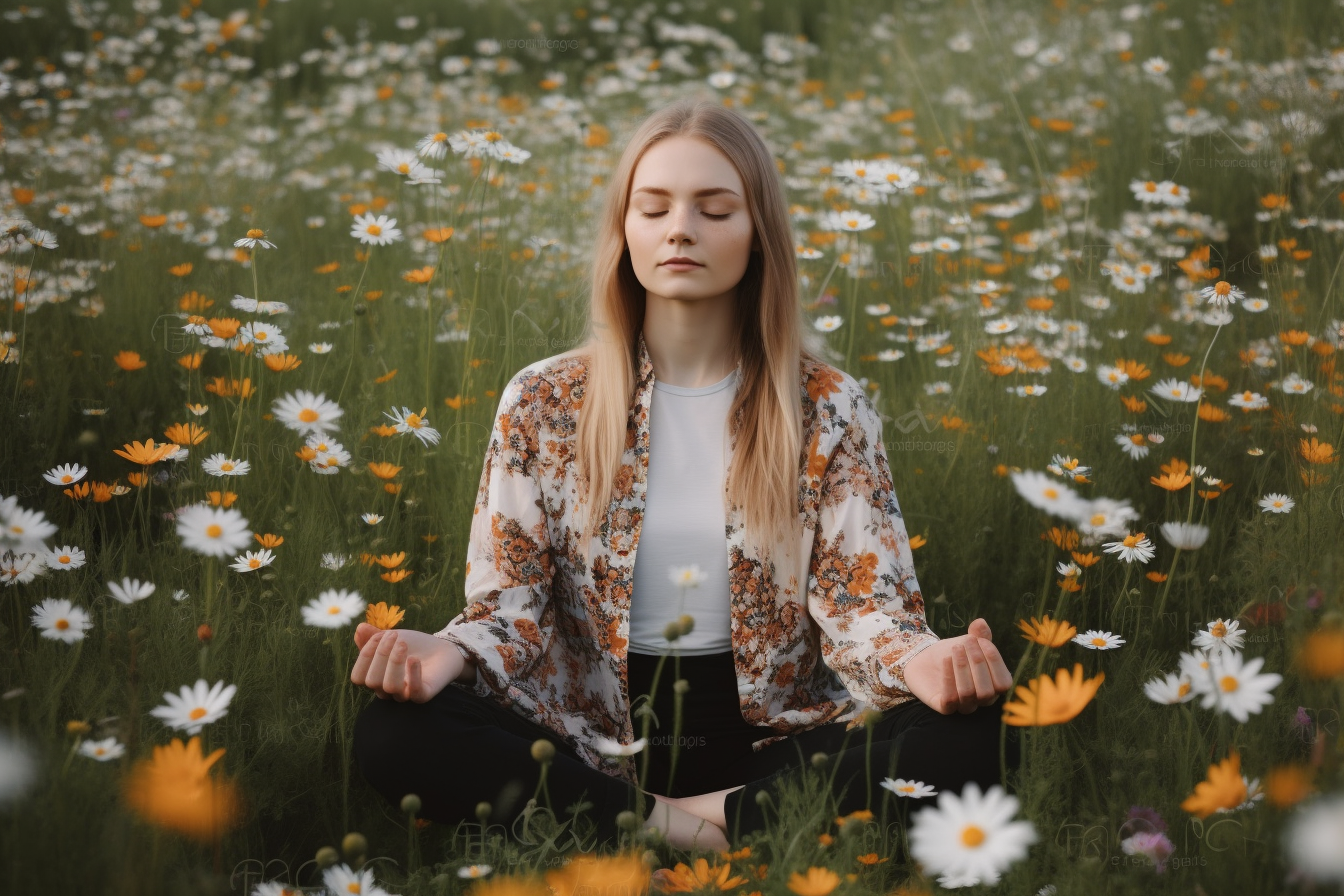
(363,632)
(980,629)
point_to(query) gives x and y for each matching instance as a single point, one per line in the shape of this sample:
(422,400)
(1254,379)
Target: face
(687,200)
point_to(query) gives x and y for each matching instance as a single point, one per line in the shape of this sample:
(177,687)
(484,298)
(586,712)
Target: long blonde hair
(769,326)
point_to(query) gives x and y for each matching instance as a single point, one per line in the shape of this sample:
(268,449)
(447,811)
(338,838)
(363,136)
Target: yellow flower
(817,882)
(380,615)
(621,875)
(186,434)
(384,470)
(128,360)
(510,886)
(390,561)
(1224,789)
(145,453)
(1047,632)
(702,876)
(174,790)
(1316,451)
(1322,653)
(1050,701)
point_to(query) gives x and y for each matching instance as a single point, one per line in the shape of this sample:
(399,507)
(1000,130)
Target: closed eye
(707,215)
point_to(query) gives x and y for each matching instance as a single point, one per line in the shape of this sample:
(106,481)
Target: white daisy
(342,879)
(828,323)
(371,231)
(1042,492)
(472,872)
(195,707)
(103,750)
(1174,688)
(221,464)
(1220,636)
(372,519)
(213,531)
(407,421)
(64,557)
(1277,503)
(1110,376)
(1098,640)
(1251,401)
(1176,390)
(1236,686)
(1312,837)
(971,835)
(333,608)
(254,239)
(60,620)
(129,590)
(433,146)
(334,561)
(1221,294)
(1133,547)
(1186,536)
(251,560)
(610,747)
(686,576)
(914,789)
(65,474)
(305,412)
(1133,444)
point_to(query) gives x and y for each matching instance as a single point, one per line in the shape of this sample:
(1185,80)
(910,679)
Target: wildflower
(433,146)
(333,608)
(18,768)
(1048,632)
(252,560)
(380,231)
(175,790)
(1220,636)
(103,750)
(1050,701)
(305,412)
(686,576)
(828,323)
(1249,401)
(334,561)
(254,239)
(1133,547)
(1276,503)
(1153,845)
(1176,390)
(1322,653)
(221,464)
(1174,688)
(1224,788)
(60,620)
(128,360)
(1099,640)
(472,872)
(343,879)
(372,519)
(66,474)
(817,882)
(971,836)
(1185,536)
(213,531)
(406,421)
(1312,839)
(610,747)
(129,590)
(380,615)
(1221,294)
(145,453)
(64,557)
(701,877)
(913,789)
(196,707)
(1235,686)
(1133,445)
(1042,492)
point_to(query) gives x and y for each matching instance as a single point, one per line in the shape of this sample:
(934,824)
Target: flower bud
(762,798)
(819,759)
(651,858)
(410,804)
(627,820)
(354,845)
(543,750)
(673,631)
(681,686)
(327,856)
(204,633)
(483,810)
(687,623)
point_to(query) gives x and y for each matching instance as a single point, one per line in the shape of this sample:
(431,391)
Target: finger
(414,683)
(394,680)
(984,683)
(949,688)
(378,668)
(359,674)
(980,629)
(998,669)
(961,668)
(363,632)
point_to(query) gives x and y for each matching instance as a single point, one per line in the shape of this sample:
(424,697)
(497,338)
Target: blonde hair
(771,336)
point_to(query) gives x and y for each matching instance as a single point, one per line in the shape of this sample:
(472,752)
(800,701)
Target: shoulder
(838,401)
(546,386)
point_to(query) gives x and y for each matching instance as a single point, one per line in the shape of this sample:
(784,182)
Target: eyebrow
(708,191)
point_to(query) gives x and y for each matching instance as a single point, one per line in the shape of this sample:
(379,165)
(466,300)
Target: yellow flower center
(908,789)
(1131,540)
(254,563)
(214,530)
(374,230)
(1218,630)
(1150,187)
(333,610)
(1183,689)
(972,836)
(440,137)
(64,558)
(307,415)
(226,466)
(403,168)
(1137,438)
(413,420)
(1098,642)
(1228,683)
(1051,494)
(1222,288)
(197,713)
(62,624)
(255,234)
(67,478)
(353,887)
(1097,519)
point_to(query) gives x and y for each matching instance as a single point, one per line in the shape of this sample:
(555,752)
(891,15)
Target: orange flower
(1286,785)
(917,542)
(1134,405)
(327,268)
(137,479)
(439,234)
(180,270)
(1211,414)
(384,470)
(1174,476)
(1084,560)
(1316,451)
(395,575)
(1176,359)
(221,499)
(23,195)
(128,360)
(419,275)
(1322,653)
(78,491)
(1224,789)
(1135,370)
(186,434)
(1047,632)
(699,877)
(102,492)
(145,453)
(383,429)
(269,540)
(1050,701)
(385,377)
(281,361)
(817,882)
(191,361)
(153,220)
(618,875)
(870,858)
(1065,539)
(390,561)
(380,615)
(224,327)
(1156,576)
(175,790)
(193,301)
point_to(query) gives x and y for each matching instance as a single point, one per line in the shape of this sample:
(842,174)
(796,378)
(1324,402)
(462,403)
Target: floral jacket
(549,636)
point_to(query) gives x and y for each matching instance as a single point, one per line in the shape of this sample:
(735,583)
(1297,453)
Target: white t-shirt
(684,520)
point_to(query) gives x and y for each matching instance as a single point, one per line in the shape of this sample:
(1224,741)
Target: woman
(769,474)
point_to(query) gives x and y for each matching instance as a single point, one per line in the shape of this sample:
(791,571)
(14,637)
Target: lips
(680,260)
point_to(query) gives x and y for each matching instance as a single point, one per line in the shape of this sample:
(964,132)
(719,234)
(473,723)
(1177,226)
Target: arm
(504,627)
(862,591)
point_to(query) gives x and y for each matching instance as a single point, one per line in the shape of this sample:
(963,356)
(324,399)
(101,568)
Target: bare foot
(683,829)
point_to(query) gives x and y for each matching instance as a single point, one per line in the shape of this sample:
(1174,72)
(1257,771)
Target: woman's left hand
(959,674)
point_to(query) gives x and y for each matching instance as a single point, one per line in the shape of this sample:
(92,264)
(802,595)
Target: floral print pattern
(812,645)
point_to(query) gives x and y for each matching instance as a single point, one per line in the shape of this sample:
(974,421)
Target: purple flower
(1153,845)
(1146,819)
(1301,720)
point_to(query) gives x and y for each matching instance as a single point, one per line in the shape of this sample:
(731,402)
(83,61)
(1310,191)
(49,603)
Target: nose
(679,227)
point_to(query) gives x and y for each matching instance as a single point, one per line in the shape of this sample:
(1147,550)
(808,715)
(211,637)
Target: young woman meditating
(693,426)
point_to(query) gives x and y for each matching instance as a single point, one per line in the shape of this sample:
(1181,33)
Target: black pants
(460,749)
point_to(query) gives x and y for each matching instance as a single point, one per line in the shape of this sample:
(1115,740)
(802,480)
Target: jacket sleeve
(862,591)
(508,619)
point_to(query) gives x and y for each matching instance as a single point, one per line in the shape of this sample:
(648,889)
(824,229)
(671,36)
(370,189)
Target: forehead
(684,166)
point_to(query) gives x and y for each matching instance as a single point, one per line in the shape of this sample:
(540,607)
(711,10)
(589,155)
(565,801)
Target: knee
(384,733)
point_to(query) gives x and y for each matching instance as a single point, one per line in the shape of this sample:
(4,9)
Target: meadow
(264,270)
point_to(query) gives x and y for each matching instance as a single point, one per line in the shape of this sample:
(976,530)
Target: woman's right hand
(404,664)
